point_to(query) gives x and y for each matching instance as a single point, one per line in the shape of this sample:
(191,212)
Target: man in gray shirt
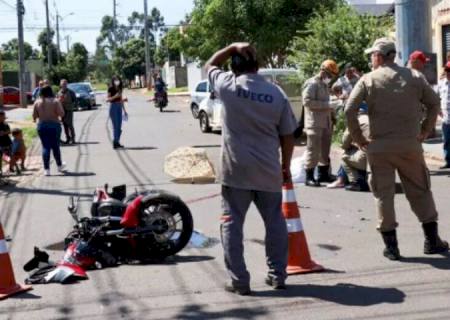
(257,121)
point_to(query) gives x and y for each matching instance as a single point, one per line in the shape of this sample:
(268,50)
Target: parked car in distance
(210,108)
(11,95)
(84,93)
(201,92)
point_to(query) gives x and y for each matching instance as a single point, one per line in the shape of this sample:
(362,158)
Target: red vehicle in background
(11,95)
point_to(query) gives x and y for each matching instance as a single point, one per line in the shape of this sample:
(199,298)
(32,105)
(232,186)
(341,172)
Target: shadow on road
(138,148)
(433,140)
(80,143)
(440,173)
(171,111)
(347,294)
(196,311)
(207,146)
(48,192)
(77,174)
(25,296)
(442,262)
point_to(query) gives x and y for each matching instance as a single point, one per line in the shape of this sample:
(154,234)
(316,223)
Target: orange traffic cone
(299,259)
(8,285)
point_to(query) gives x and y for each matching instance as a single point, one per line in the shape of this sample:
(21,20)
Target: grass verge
(29,133)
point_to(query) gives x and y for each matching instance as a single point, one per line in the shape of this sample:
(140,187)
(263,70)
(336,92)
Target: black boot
(433,243)
(390,240)
(310,181)
(324,174)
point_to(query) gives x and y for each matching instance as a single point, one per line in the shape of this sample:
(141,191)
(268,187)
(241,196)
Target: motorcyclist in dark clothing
(160,88)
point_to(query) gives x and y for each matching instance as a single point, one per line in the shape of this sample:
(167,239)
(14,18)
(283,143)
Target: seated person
(18,150)
(354,160)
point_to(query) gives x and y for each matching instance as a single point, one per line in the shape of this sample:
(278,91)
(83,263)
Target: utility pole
(412,36)
(67,42)
(49,50)
(58,50)
(148,78)
(1,82)
(114,23)
(20,14)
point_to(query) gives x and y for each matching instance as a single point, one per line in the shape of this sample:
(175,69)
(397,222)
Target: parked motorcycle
(160,100)
(143,226)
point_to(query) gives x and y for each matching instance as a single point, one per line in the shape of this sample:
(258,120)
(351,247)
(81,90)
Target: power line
(8,4)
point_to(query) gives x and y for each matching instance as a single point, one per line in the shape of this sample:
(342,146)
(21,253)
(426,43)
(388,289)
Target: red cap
(447,65)
(418,55)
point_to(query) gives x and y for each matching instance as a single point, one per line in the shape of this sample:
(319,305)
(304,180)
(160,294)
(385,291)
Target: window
(445,44)
(9,90)
(202,87)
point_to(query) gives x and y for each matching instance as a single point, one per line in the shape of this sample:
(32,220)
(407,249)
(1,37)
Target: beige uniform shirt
(316,101)
(395,96)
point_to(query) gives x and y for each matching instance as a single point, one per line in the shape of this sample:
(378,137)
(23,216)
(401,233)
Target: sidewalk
(433,147)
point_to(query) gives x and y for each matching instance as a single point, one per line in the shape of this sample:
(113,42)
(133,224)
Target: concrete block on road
(190,165)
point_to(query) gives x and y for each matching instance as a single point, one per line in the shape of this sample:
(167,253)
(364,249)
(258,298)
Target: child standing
(18,150)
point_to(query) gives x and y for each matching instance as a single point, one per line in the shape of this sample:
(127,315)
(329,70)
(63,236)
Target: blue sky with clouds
(86,13)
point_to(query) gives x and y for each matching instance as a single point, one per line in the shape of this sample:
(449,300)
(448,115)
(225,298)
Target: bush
(339,128)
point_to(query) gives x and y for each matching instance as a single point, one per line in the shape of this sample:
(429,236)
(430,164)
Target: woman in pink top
(49,112)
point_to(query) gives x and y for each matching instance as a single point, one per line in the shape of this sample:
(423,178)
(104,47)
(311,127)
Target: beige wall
(440,16)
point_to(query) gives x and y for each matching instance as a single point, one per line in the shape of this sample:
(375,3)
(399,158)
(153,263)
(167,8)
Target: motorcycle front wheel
(173,225)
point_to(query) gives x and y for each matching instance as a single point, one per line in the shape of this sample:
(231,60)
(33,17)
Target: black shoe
(358,187)
(242,291)
(277,285)
(433,243)
(117,145)
(310,180)
(390,240)
(324,174)
(447,166)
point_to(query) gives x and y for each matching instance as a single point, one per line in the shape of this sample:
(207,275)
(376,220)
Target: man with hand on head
(257,122)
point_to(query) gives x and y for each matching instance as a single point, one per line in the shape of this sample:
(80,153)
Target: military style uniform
(68,101)
(318,124)
(395,96)
(355,159)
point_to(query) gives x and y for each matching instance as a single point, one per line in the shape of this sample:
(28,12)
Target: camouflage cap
(382,45)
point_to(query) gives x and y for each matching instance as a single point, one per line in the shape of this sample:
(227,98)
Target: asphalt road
(358,284)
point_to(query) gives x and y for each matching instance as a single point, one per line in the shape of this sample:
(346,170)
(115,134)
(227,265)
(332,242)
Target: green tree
(341,34)
(10,50)
(108,40)
(169,48)
(129,59)
(42,41)
(270,25)
(75,65)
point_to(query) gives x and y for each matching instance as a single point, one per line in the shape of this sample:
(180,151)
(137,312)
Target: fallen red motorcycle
(141,227)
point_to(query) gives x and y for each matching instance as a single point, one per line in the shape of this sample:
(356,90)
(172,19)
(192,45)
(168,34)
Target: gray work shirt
(255,114)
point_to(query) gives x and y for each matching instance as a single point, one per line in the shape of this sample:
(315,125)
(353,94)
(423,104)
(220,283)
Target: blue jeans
(446,137)
(342,174)
(50,135)
(115,113)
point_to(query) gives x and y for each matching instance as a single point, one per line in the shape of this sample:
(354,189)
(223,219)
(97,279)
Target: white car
(210,108)
(201,92)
